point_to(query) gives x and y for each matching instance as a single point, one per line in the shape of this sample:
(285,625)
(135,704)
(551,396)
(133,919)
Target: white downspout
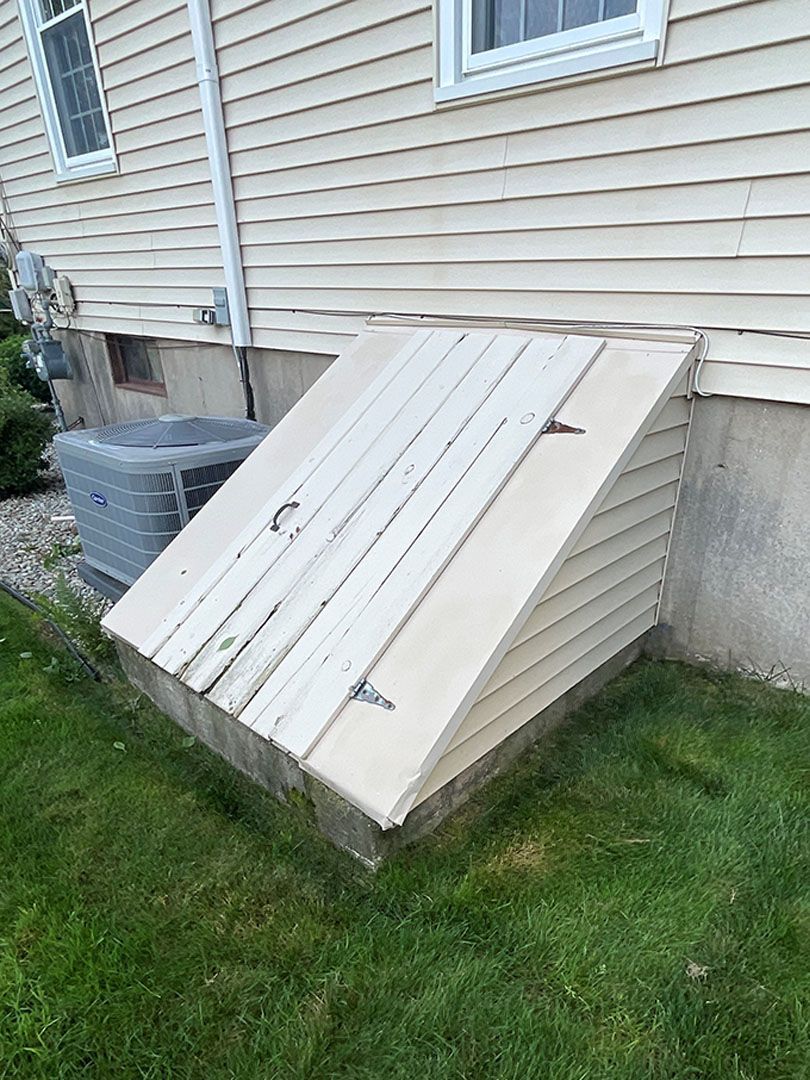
(202,36)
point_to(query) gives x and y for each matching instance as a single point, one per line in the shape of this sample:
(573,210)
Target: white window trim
(84,165)
(460,73)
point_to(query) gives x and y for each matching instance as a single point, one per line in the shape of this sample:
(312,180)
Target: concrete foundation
(201,379)
(346,826)
(737,587)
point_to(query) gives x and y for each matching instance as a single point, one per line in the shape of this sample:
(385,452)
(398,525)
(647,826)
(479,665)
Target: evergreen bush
(24,434)
(13,365)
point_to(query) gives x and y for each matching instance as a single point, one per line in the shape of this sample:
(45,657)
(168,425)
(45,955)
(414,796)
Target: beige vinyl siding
(676,194)
(647,195)
(603,597)
(140,247)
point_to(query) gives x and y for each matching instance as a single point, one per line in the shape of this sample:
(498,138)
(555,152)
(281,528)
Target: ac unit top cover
(165,440)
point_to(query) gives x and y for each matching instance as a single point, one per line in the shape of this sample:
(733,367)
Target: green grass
(631,902)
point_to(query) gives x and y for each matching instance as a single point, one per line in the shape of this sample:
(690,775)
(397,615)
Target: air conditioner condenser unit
(133,486)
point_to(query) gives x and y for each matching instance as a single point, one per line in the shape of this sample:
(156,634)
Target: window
(493,44)
(136,363)
(66,73)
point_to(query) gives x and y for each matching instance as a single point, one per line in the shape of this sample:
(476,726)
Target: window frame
(66,167)
(118,366)
(625,39)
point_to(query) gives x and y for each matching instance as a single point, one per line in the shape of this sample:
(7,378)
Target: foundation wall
(343,824)
(199,379)
(737,587)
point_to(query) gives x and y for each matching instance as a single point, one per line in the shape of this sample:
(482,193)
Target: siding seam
(744,217)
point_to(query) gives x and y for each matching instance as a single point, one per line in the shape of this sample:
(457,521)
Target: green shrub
(13,366)
(8,323)
(24,434)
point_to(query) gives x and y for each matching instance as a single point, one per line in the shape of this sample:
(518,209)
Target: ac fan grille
(201,483)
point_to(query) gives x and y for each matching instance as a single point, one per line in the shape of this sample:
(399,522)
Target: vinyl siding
(648,195)
(603,597)
(676,194)
(140,247)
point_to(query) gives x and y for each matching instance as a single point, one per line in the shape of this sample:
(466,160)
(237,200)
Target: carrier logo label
(98,498)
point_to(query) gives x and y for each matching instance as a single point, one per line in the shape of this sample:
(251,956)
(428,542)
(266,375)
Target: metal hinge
(554,427)
(364,691)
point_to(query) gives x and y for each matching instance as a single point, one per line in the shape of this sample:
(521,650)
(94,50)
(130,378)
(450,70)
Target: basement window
(65,67)
(487,45)
(135,364)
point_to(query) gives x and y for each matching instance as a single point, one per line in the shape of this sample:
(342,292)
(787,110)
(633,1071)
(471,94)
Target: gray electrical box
(222,316)
(218,315)
(32,272)
(21,305)
(47,358)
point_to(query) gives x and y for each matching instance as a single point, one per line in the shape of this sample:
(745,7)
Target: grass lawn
(630,902)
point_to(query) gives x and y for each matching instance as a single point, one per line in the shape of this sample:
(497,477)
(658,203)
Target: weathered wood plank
(351,433)
(258,586)
(302,595)
(382,596)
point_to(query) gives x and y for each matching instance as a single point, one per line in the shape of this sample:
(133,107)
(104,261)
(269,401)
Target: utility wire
(26,601)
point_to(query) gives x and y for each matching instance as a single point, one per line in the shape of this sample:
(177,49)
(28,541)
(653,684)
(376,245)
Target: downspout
(202,36)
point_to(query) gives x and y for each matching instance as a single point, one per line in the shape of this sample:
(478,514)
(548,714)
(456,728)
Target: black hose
(21,598)
(244,378)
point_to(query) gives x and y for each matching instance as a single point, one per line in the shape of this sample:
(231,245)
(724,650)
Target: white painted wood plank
(349,439)
(283,596)
(266,581)
(296,594)
(506,426)
(180,568)
(350,434)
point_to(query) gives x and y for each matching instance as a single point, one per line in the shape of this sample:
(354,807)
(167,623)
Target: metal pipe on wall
(202,36)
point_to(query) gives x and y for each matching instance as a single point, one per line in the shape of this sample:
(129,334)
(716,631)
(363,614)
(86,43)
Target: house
(619,170)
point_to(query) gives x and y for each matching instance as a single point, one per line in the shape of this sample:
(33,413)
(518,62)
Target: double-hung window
(66,72)
(486,45)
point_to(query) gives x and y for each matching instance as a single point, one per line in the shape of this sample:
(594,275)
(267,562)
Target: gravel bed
(34,550)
